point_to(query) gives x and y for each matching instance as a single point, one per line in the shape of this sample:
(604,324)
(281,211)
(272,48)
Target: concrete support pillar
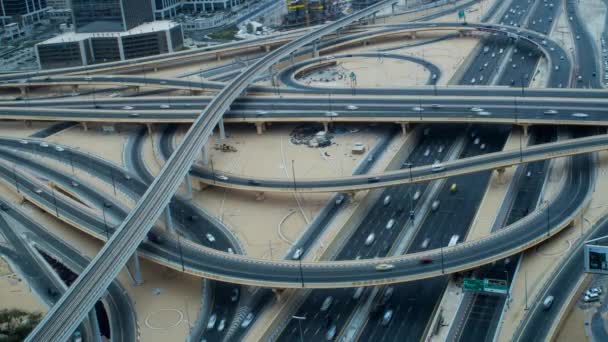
(259,196)
(149,126)
(259,126)
(315,50)
(218,57)
(188,186)
(525,128)
(222,129)
(413,35)
(405,127)
(365,43)
(85,127)
(75,88)
(374,18)
(292,58)
(501,175)
(267,48)
(351,195)
(23,90)
(136,270)
(326,126)
(27,123)
(168,219)
(206,154)
(393,8)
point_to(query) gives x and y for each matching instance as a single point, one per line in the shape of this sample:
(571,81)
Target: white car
(211,322)
(476,109)
(331,114)
(351,107)
(327,303)
(418,109)
(210,237)
(127,107)
(247,321)
(390,223)
(222,325)
(221,177)
(435,205)
(436,167)
(370,239)
(297,254)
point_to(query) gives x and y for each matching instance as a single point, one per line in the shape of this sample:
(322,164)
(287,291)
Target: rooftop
(154,26)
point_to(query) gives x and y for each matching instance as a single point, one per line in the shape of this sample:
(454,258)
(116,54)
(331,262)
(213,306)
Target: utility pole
(15,177)
(293,173)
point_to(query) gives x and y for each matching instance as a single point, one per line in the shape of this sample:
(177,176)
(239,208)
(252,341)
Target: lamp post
(508,293)
(105,222)
(179,244)
(293,173)
(548,220)
(15,177)
(409,166)
(113,181)
(300,319)
(301,273)
(55,201)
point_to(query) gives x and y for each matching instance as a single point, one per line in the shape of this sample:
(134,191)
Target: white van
(416,195)
(390,223)
(370,239)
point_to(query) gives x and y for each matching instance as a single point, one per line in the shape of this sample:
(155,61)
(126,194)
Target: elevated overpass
(551,49)
(73,306)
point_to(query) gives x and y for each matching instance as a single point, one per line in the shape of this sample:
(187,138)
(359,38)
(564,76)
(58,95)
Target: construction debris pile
(311,135)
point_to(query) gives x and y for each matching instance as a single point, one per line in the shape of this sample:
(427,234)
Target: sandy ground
(283,218)
(165,303)
(495,194)
(594,12)
(15,293)
(19,129)
(373,73)
(447,55)
(572,328)
(562,33)
(473,14)
(94,141)
(541,262)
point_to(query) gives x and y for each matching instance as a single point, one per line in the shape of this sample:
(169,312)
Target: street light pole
(548,219)
(105,223)
(293,173)
(301,273)
(179,244)
(55,201)
(15,177)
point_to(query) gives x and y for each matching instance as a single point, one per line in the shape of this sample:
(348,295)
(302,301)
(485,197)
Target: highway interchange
(519,235)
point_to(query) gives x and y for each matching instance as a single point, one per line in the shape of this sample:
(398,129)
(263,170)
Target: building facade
(22,12)
(78,49)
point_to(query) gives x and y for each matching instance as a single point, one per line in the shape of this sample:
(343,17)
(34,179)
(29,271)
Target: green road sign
(460,14)
(353,76)
(495,286)
(472,284)
(485,285)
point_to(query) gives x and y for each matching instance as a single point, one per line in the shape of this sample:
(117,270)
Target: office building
(22,12)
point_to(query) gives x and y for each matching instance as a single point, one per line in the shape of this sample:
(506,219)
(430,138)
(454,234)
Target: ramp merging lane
(63,318)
